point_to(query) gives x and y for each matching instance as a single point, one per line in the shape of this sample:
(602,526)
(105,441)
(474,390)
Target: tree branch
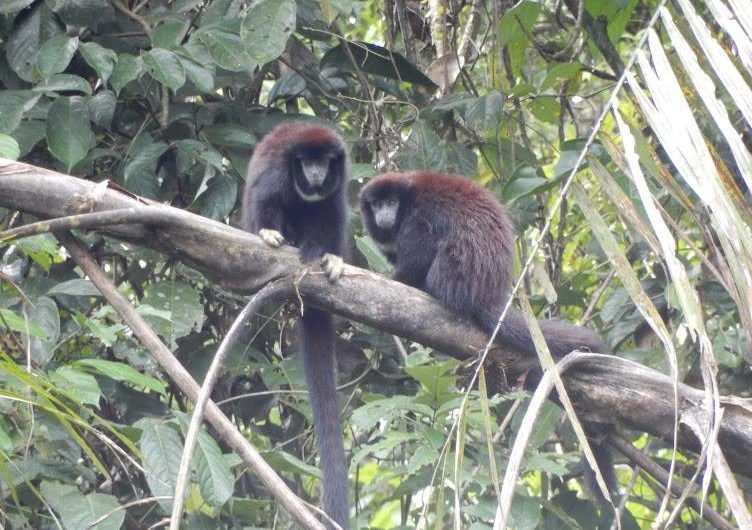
(604,389)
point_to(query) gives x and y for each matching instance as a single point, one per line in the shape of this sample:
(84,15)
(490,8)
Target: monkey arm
(415,249)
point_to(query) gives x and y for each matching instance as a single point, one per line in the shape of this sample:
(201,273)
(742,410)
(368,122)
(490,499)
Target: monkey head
(316,162)
(383,202)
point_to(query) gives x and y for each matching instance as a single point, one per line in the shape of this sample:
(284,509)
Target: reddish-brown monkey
(451,238)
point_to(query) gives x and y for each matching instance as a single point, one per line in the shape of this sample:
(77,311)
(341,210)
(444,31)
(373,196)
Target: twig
(272,292)
(224,427)
(662,476)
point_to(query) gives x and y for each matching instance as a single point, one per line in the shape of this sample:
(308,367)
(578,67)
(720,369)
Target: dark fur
(318,227)
(454,240)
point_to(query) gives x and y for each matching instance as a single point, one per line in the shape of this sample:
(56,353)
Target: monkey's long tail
(562,337)
(318,339)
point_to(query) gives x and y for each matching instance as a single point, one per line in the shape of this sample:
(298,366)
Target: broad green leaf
(75,287)
(265,28)
(376,260)
(143,158)
(170,33)
(516,23)
(161,448)
(218,200)
(165,67)
(101,59)
(202,78)
(559,73)
(101,329)
(484,113)
(28,134)
(183,304)
(77,511)
(43,312)
(215,477)
(545,108)
(226,49)
(80,384)
(54,56)
(83,13)
(375,59)
(102,108)
(123,373)
(127,69)
(9,147)
(69,135)
(13,104)
(64,83)
(27,37)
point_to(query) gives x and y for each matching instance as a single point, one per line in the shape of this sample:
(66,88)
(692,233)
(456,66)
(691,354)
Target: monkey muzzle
(315,170)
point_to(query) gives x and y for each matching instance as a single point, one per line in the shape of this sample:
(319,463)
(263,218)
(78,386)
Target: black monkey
(451,238)
(296,192)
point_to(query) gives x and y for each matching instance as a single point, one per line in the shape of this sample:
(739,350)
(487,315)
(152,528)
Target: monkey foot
(333,266)
(271,237)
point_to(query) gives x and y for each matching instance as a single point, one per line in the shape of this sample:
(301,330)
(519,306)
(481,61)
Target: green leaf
(78,511)
(161,449)
(265,28)
(143,158)
(13,104)
(376,260)
(215,477)
(101,59)
(16,323)
(226,49)
(75,287)
(127,69)
(54,56)
(102,108)
(84,13)
(27,37)
(69,135)
(170,33)
(43,313)
(484,113)
(559,73)
(64,83)
(123,373)
(28,134)
(218,200)
(181,302)
(386,410)
(545,108)
(229,135)
(202,78)
(165,67)
(374,59)
(79,384)
(9,147)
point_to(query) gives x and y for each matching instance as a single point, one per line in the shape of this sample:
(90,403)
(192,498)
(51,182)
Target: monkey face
(317,172)
(385,212)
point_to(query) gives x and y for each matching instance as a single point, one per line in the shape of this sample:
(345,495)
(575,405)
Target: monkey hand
(333,266)
(271,237)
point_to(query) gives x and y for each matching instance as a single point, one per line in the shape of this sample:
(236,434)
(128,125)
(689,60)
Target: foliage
(169,98)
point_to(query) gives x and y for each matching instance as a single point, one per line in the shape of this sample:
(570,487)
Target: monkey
(295,192)
(450,237)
